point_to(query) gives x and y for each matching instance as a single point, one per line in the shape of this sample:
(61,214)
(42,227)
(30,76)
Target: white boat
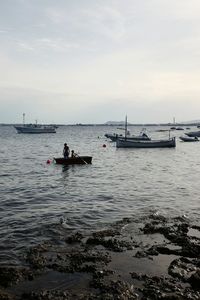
(142,136)
(188,139)
(126,143)
(113,136)
(34,128)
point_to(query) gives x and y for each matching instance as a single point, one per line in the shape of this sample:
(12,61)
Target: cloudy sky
(90,61)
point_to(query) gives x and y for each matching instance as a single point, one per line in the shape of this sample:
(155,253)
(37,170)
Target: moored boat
(193,133)
(189,139)
(142,136)
(126,143)
(78,160)
(34,128)
(114,136)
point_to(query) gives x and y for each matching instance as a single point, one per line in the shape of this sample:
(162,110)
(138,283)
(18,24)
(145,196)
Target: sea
(40,201)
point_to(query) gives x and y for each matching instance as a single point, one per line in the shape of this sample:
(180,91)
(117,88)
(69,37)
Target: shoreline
(152,258)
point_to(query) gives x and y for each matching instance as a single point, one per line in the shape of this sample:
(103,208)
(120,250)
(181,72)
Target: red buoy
(104,145)
(48,161)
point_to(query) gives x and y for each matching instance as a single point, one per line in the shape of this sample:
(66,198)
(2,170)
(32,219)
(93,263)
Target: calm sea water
(40,201)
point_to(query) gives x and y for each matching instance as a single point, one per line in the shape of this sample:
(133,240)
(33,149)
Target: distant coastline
(117,124)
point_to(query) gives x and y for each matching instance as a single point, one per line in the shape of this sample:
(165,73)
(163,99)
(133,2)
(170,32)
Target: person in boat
(73,154)
(66,151)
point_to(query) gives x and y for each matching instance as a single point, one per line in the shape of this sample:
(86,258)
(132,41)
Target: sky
(86,61)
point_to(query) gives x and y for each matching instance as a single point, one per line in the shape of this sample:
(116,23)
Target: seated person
(73,154)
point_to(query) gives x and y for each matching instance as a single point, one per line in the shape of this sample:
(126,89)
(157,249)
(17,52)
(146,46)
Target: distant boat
(189,139)
(35,128)
(126,143)
(78,160)
(193,133)
(142,136)
(115,136)
(176,128)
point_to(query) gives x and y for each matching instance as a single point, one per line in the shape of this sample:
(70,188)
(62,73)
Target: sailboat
(114,136)
(128,143)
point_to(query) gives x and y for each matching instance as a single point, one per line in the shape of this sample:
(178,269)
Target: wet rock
(74,238)
(6,296)
(106,233)
(182,268)
(139,276)
(160,288)
(194,280)
(45,295)
(12,275)
(117,290)
(35,256)
(110,244)
(196,227)
(158,217)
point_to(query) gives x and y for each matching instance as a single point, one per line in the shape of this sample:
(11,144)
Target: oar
(81,158)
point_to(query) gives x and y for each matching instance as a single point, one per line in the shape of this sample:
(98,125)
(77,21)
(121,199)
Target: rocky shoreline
(151,258)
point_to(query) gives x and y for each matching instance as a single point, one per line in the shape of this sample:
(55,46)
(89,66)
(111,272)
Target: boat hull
(193,133)
(189,139)
(81,160)
(35,130)
(122,143)
(114,137)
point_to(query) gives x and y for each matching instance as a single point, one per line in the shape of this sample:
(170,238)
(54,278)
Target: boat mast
(24,119)
(125,127)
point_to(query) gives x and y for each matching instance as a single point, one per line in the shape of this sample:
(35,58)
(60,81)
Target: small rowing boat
(78,160)
(193,133)
(189,139)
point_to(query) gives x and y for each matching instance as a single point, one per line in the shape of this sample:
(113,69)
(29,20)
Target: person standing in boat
(66,151)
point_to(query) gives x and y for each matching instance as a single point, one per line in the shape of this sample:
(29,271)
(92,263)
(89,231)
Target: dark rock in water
(116,290)
(46,295)
(12,275)
(194,280)
(182,268)
(110,244)
(6,296)
(75,238)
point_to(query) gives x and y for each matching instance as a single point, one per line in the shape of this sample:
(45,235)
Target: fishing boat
(78,160)
(193,133)
(142,136)
(35,128)
(126,143)
(113,136)
(189,139)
